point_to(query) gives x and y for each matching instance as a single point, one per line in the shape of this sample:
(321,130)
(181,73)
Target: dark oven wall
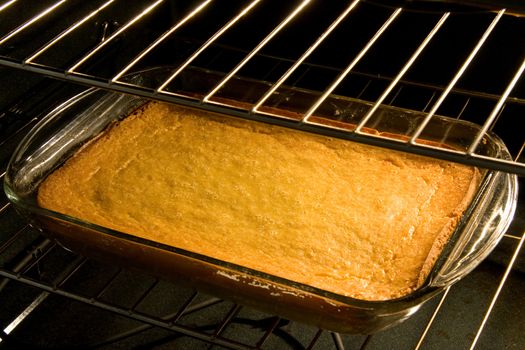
(52,297)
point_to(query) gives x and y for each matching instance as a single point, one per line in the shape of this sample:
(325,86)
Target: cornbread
(352,219)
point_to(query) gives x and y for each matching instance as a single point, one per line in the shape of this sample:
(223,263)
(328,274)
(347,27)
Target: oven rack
(56,40)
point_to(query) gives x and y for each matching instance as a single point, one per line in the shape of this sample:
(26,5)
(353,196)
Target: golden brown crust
(352,219)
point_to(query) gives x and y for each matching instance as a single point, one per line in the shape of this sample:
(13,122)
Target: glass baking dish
(75,122)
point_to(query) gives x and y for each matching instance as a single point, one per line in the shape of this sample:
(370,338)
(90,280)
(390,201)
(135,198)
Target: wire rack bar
(511,236)
(497,108)
(304,56)
(108,283)
(16,132)
(227,320)
(366,342)
(26,312)
(23,127)
(210,41)
(144,295)
(431,320)
(161,39)
(337,341)
(351,66)
(458,75)
(269,331)
(402,72)
(259,46)
(4,208)
(12,239)
(498,291)
(31,21)
(174,318)
(7,4)
(68,272)
(121,30)
(67,32)
(314,340)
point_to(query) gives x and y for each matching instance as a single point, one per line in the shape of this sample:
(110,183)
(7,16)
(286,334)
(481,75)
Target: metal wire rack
(116,44)
(44,41)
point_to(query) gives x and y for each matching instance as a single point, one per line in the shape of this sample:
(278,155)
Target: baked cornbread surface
(352,219)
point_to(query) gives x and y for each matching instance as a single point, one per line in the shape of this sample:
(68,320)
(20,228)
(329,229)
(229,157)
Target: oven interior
(463,61)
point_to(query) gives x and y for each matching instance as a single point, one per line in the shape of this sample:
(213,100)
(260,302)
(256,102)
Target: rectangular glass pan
(77,121)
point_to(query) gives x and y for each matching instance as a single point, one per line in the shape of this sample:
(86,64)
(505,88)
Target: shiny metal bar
(108,283)
(508,235)
(314,340)
(367,85)
(17,131)
(305,55)
(7,4)
(59,281)
(26,312)
(366,342)
(424,109)
(446,154)
(114,35)
(405,68)
(234,310)
(66,32)
(338,342)
(14,237)
(352,64)
(31,21)
(393,99)
(460,114)
(458,75)
(144,295)
(520,152)
(269,331)
(207,44)
(498,291)
(429,323)
(496,109)
(160,40)
(181,312)
(501,162)
(4,208)
(256,49)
